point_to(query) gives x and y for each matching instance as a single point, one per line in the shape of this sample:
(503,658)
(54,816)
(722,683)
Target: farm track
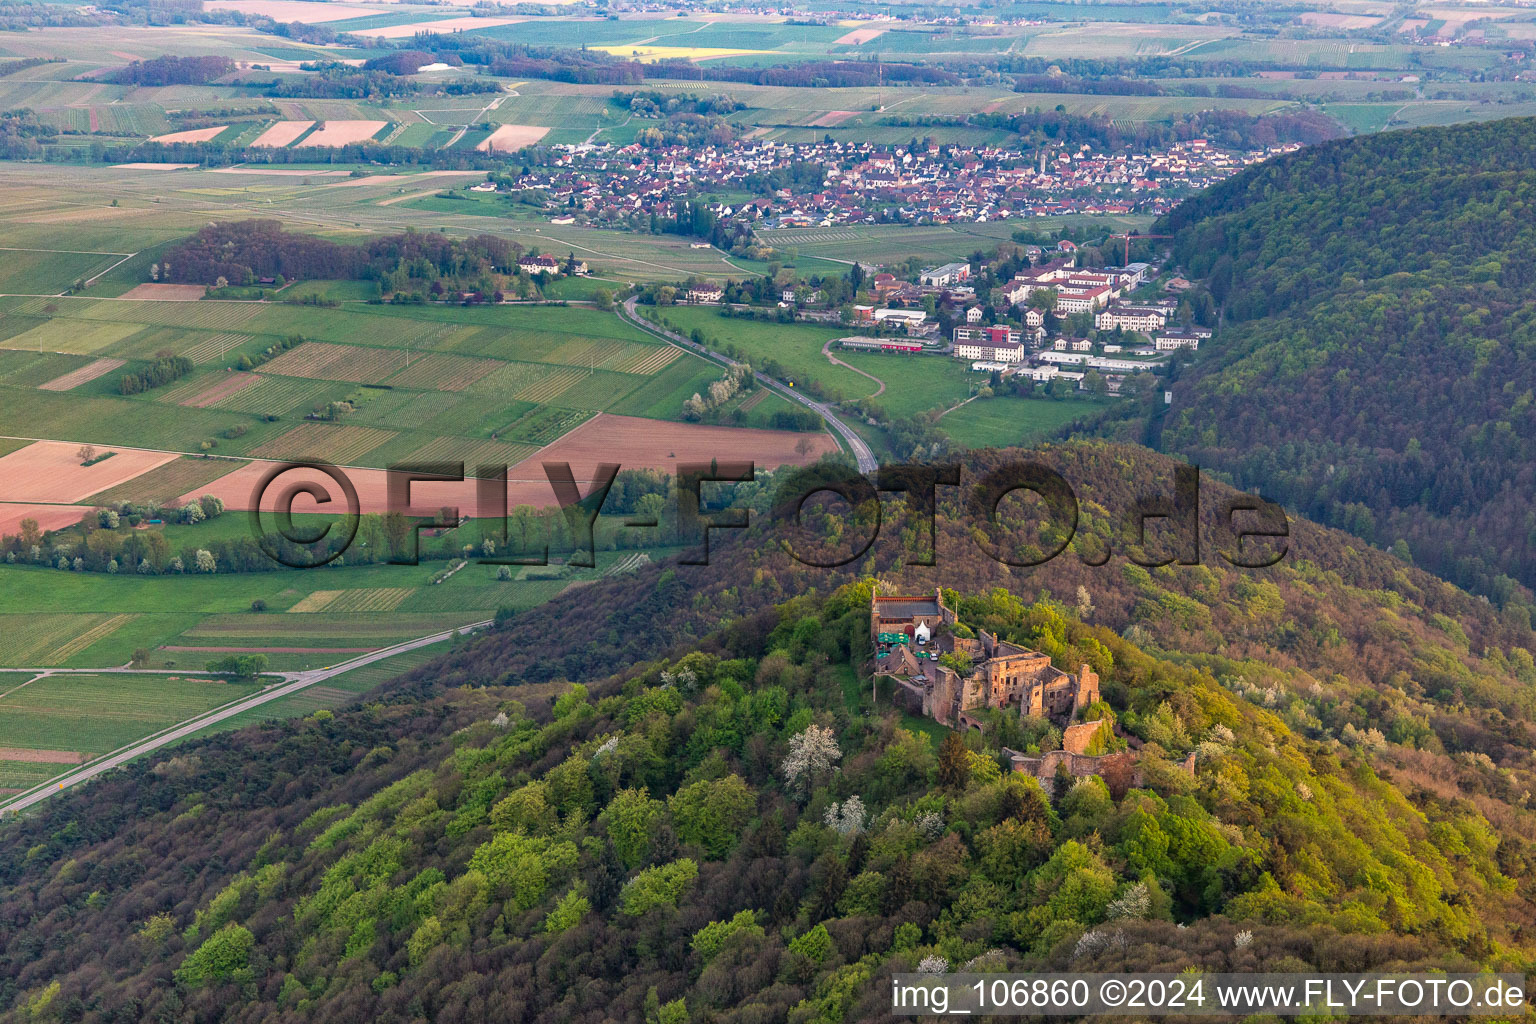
(826,350)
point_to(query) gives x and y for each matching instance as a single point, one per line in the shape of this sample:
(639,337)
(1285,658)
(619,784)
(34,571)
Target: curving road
(850,438)
(826,350)
(292,683)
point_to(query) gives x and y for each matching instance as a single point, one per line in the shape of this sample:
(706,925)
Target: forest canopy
(726,815)
(1377,365)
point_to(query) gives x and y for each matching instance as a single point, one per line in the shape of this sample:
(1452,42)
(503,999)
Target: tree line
(245,252)
(169,70)
(163,370)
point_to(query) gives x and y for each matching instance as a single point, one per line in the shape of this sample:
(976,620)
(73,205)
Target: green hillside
(1376,366)
(733,824)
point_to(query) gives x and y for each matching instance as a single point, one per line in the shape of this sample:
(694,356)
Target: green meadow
(913,383)
(1009,420)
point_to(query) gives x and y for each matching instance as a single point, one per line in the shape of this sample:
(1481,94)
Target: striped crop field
(75,645)
(168,481)
(89,372)
(75,336)
(421,409)
(33,369)
(473,452)
(343,325)
(221,387)
(279,395)
(543,425)
(202,347)
(598,353)
(598,390)
(365,599)
(550,387)
(509,377)
(132,119)
(93,714)
(208,315)
(326,361)
(45,641)
(341,629)
(647,363)
(39,271)
(111,420)
(439,371)
(190,386)
(20,775)
(516,594)
(328,441)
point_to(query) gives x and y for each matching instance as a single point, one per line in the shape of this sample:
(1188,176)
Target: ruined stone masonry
(911,632)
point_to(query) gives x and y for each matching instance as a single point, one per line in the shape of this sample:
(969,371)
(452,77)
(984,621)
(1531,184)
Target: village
(941,669)
(865,183)
(1101,330)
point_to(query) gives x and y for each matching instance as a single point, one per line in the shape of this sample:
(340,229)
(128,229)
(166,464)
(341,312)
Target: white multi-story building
(1091,362)
(990,351)
(1082,300)
(1133,275)
(949,273)
(1169,341)
(1143,319)
(997,332)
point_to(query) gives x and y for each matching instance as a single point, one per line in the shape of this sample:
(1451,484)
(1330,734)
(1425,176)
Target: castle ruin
(911,633)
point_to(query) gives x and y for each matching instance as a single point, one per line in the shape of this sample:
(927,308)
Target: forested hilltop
(1376,369)
(670,799)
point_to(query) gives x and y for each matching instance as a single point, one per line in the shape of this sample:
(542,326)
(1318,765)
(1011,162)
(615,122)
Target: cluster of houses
(1133,337)
(868,183)
(1077,290)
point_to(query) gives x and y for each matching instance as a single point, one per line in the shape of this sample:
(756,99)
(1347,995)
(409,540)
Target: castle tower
(1087,689)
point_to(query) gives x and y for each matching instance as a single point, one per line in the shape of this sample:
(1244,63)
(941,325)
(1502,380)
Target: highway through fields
(292,682)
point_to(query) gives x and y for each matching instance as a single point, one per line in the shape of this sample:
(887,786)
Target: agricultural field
(309,618)
(913,384)
(40,271)
(401,369)
(51,723)
(796,347)
(1010,420)
(166,481)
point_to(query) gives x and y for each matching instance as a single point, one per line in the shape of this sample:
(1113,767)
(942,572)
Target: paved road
(292,683)
(856,444)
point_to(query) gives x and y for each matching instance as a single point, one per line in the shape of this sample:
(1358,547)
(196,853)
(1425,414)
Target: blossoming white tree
(846,819)
(812,754)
